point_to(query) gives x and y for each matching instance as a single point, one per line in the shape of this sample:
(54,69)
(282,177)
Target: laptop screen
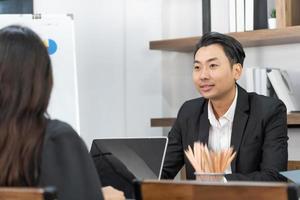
(144,157)
(293,175)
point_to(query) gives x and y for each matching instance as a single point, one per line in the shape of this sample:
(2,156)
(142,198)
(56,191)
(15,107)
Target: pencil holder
(210,177)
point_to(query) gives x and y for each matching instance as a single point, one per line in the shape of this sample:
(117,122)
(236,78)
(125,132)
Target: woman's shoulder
(59,129)
(61,134)
(65,159)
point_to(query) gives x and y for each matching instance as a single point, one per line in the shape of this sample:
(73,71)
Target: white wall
(143,70)
(179,19)
(119,79)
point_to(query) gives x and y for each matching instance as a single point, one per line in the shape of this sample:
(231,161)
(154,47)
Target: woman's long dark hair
(25,87)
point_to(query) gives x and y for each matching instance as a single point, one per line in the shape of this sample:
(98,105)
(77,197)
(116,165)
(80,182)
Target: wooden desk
(192,190)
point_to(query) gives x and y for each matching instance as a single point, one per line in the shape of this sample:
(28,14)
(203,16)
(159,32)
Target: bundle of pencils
(207,161)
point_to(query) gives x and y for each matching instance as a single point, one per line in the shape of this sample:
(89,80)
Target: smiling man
(226,115)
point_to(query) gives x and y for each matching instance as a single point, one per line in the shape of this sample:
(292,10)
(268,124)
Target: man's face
(213,75)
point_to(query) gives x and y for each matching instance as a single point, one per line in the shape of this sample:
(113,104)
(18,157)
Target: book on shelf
(265,84)
(240,15)
(249,15)
(260,14)
(254,79)
(232,15)
(249,79)
(216,15)
(206,16)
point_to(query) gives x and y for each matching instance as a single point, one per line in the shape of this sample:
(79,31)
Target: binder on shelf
(255,80)
(206,16)
(260,14)
(240,15)
(249,79)
(232,15)
(283,88)
(249,15)
(264,89)
(216,15)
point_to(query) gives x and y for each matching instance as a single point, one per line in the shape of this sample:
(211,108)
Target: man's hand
(111,193)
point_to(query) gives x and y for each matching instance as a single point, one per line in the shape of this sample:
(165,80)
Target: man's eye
(213,65)
(196,67)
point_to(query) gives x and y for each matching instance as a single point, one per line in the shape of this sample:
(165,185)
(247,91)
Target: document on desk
(293,175)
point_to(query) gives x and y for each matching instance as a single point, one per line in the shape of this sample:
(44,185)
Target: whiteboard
(57,32)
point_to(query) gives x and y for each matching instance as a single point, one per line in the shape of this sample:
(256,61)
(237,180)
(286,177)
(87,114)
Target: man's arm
(174,158)
(274,149)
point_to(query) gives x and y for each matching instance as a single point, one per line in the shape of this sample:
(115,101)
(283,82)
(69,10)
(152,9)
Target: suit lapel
(203,124)
(239,123)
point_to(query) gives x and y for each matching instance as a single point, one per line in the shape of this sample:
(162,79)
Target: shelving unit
(257,38)
(293,119)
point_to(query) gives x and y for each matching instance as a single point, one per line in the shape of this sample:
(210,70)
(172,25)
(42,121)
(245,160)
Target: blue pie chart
(52,47)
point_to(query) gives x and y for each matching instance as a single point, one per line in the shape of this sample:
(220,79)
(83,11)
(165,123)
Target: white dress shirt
(220,129)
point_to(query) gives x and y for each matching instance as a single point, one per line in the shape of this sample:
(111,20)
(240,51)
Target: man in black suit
(226,115)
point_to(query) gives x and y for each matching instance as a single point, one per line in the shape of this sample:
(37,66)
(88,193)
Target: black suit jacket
(259,136)
(67,165)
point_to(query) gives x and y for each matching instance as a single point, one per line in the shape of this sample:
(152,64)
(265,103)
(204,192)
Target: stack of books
(248,15)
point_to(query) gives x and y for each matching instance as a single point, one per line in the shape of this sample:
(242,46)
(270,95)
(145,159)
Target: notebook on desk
(142,156)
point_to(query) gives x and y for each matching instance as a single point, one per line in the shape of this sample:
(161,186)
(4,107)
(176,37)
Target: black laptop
(142,156)
(121,160)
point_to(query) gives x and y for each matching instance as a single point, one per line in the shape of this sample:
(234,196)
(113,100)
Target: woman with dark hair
(35,150)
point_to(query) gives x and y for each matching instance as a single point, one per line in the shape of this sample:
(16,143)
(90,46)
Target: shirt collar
(229,115)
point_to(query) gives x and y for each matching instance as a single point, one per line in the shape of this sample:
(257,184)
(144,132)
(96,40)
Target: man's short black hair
(232,48)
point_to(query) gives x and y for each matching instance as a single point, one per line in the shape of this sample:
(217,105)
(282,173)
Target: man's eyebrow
(209,60)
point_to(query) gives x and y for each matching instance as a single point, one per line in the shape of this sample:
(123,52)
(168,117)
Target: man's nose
(204,73)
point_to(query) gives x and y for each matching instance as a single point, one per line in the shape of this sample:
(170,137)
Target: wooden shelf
(293,119)
(264,37)
(162,122)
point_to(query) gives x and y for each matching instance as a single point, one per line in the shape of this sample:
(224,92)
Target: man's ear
(237,70)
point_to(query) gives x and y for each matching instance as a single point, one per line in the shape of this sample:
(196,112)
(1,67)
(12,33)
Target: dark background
(16,6)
